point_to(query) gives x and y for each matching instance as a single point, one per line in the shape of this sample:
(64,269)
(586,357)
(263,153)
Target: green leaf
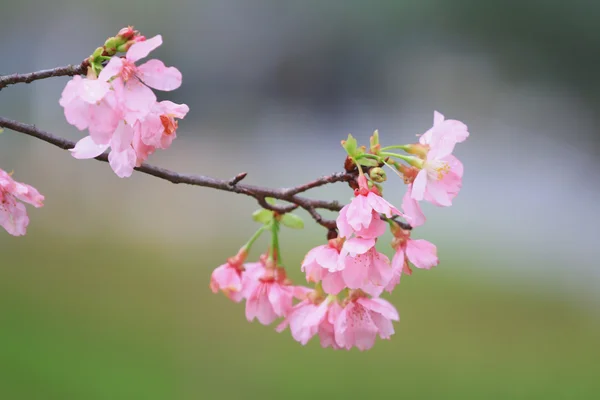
(350,145)
(368,162)
(270,200)
(263,216)
(292,221)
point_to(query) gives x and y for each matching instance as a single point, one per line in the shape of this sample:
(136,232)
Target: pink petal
(357,245)
(122,137)
(375,229)
(177,110)
(380,205)
(155,74)
(356,270)
(421,253)
(13,217)
(93,90)
(438,191)
(87,148)
(380,306)
(359,213)
(380,271)
(140,50)
(280,298)
(333,282)
(344,228)
(438,118)
(113,68)
(419,185)
(412,210)
(123,162)
(327,258)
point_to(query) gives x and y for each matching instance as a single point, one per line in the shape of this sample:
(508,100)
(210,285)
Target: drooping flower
(268,296)
(228,277)
(321,265)
(306,317)
(13,215)
(361,320)
(361,216)
(364,267)
(421,253)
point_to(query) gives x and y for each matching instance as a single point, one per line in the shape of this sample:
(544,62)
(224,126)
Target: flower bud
(377,174)
(417,149)
(127,33)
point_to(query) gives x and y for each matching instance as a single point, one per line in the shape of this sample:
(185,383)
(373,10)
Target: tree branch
(68,70)
(232,185)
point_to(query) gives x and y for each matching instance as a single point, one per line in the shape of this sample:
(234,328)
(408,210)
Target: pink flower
(269,295)
(305,318)
(364,267)
(159,126)
(86,106)
(361,320)
(421,253)
(320,265)
(152,73)
(327,326)
(13,215)
(440,177)
(361,216)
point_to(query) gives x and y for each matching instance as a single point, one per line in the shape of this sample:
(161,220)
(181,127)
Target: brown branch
(289,195)
(68,70)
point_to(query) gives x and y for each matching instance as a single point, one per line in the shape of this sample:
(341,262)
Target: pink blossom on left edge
(13,215)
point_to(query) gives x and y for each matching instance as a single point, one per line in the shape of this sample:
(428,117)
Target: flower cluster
(118,108)
(345,308)
(13,215)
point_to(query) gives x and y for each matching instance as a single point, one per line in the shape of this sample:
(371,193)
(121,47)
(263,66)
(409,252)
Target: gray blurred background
(273,86)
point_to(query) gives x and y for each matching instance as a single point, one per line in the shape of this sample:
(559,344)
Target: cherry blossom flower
(138,80)
(421,253)
(305,318)
(412,209)
(268,295)
(361,216)
(361,320)
(440,177)
(321,265)
(13,215)
(364,267)
(158,128)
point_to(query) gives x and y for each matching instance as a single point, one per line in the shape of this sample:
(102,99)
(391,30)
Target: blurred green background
(107,296)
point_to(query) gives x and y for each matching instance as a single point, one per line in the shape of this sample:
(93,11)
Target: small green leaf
(292,221)
(350,145)
(263,216)
(270,200)
(368,162)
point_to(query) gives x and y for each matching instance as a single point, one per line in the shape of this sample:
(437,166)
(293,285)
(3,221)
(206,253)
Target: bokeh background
(107,296)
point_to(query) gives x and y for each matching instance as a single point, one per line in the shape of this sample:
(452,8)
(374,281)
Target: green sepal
(350,145)
(263,216)
(292,221)
(368,162)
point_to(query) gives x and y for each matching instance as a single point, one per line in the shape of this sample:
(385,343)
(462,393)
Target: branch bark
(67,70)
(259,193)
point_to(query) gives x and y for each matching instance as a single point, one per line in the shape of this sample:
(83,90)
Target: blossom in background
(13,215)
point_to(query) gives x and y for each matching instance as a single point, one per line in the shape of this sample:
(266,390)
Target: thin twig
(67,70)
(232,185)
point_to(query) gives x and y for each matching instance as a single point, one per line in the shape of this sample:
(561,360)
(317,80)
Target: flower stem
(275,250)
(414,161)
(398,146)
(254,237)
